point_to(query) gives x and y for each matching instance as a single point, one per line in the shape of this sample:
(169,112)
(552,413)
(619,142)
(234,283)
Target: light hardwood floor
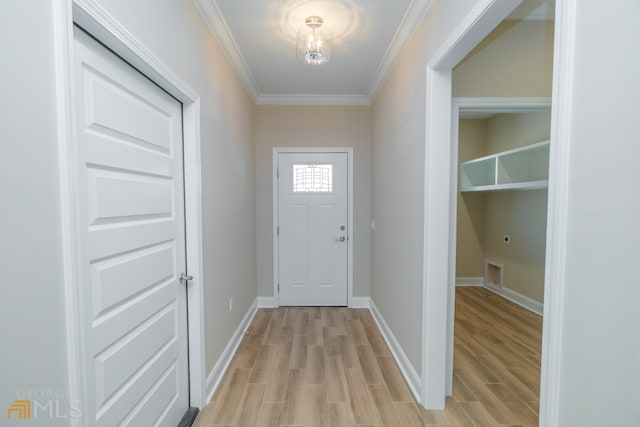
(331,367)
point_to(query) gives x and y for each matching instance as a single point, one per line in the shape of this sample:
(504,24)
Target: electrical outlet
(230,305)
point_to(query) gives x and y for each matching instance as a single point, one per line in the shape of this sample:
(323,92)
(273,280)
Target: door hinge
(277,173)
(278,287)
(277,231)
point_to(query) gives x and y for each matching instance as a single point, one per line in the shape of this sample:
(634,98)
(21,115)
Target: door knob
(341,239)
(185,278)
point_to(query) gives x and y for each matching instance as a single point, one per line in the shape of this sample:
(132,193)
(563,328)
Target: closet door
(132,246)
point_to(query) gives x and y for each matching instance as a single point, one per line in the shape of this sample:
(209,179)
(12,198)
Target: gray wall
(398,180)
(296,126)
(32,319)
(600,373)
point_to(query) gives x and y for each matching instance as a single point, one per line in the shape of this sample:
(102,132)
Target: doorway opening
(501,156)
(439,258)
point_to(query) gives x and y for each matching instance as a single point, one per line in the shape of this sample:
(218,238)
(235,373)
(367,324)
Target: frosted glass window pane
(312,178)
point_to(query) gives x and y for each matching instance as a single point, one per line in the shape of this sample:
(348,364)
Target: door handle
(185,278)
(341,239)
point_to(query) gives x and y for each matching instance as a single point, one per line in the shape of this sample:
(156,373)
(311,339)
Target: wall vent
(493,274)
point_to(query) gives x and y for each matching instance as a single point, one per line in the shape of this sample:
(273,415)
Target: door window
(308,178)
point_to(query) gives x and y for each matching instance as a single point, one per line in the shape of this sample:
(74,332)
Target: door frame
(484,104)
(484,17)
(480,21)
(103,27)
(274,181)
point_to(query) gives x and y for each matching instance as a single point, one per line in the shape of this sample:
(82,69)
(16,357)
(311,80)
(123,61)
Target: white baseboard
(267,302)
(517,298)
(469,281)
(216,374)
(360,302)
(407,369)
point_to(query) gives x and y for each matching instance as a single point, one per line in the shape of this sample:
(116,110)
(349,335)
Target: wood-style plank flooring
(331,367)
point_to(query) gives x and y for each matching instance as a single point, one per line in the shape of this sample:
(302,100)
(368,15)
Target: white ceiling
(259,39)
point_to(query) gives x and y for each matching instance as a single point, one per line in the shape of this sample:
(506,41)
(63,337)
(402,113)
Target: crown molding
(218,25)
(302,99)
(412,18)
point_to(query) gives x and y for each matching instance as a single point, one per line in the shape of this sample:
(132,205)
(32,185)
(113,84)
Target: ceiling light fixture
(314,43)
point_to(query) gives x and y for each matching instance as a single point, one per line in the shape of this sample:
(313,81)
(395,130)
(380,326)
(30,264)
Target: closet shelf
(523,168)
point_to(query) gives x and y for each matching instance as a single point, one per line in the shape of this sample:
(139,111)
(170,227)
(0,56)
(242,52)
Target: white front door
(312,221)
(132,243)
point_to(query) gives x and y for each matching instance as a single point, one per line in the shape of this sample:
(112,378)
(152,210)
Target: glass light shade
(314,44)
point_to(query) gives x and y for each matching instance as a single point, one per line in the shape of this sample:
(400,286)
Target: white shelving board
(523,168)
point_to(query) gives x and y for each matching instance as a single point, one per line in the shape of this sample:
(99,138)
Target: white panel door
(312,206)
(132,246)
